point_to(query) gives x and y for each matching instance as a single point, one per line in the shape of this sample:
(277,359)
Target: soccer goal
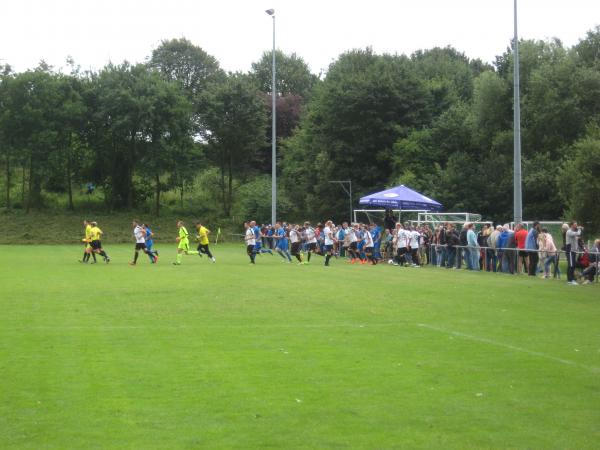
(456,218)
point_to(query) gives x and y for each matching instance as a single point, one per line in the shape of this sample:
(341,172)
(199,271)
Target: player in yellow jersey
(202,239)
(183,243)
(96,234)
(87,241)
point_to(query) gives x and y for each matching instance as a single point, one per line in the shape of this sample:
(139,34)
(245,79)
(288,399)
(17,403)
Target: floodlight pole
(347,191)
(271,12)
(518,194)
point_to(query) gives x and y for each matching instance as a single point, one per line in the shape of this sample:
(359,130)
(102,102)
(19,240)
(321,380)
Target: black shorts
(523,253)
(96,245)
(311,247)
(140,245)
(368,250)
(250,249)
(402,251)
(295,248)
(353,245)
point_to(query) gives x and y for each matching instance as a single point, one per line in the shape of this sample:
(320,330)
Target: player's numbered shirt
(328,236)
(203,234)
(282,241)
(311,237)
(183,234)
(351,235)
(294,237)
(95,233)
(250,237)
(403,239)
(140,235)
(415,236)
(88,233)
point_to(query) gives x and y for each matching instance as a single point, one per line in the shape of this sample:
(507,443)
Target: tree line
(435,120)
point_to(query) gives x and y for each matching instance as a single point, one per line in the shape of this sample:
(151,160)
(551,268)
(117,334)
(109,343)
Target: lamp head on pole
(270,12)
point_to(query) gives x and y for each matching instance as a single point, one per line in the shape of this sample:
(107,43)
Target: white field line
(308,326)
(510,347)
(207,326)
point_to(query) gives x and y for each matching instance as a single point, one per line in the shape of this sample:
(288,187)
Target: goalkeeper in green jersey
(183,243)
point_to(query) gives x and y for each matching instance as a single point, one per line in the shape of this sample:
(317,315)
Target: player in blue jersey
(376,235)
(258,240)
(281,242)
(152,254)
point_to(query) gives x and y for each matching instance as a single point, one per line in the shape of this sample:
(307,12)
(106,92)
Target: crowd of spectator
(500,249)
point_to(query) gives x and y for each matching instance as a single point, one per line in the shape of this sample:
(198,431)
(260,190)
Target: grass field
(229,355)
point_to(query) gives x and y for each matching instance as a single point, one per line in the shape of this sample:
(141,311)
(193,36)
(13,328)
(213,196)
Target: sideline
(510,347)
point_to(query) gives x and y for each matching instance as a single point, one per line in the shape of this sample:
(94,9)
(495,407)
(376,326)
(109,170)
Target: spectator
(592,269)
(443,245)
(473,254)
(521,240)
(389,221)
(531,245)
(571,242)
(452,240)
(482,240)
(462,251)
(491,253)
(506,254)
(549,248)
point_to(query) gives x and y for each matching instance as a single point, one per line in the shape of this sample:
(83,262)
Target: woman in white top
(546,244)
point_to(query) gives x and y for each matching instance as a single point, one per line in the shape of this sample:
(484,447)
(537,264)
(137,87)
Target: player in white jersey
(414,243)
(250,239)
(368,246)
(139,233)
(295,241)
(310,238)
(329,241)
(402,240)
(353,243)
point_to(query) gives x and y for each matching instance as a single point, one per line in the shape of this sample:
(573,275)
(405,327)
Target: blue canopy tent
(401,197)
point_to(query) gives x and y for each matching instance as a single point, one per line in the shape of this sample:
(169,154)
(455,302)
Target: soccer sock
(327,258)
(135,257)
(309,253)
(103,253)
(179,256)
(208,253)
(288,256)
(85,256)
(93,256)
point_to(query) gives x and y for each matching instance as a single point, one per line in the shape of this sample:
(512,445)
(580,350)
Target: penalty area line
(509,346)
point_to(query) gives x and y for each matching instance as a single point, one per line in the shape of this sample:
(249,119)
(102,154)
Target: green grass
(279,356)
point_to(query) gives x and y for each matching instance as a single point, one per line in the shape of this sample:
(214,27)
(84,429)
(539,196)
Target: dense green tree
(235,120)
(579,180)
(293,75)
(447,74)
(187,64)
(139,122)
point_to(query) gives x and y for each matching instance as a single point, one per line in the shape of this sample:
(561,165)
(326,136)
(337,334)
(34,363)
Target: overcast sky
(236,32)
